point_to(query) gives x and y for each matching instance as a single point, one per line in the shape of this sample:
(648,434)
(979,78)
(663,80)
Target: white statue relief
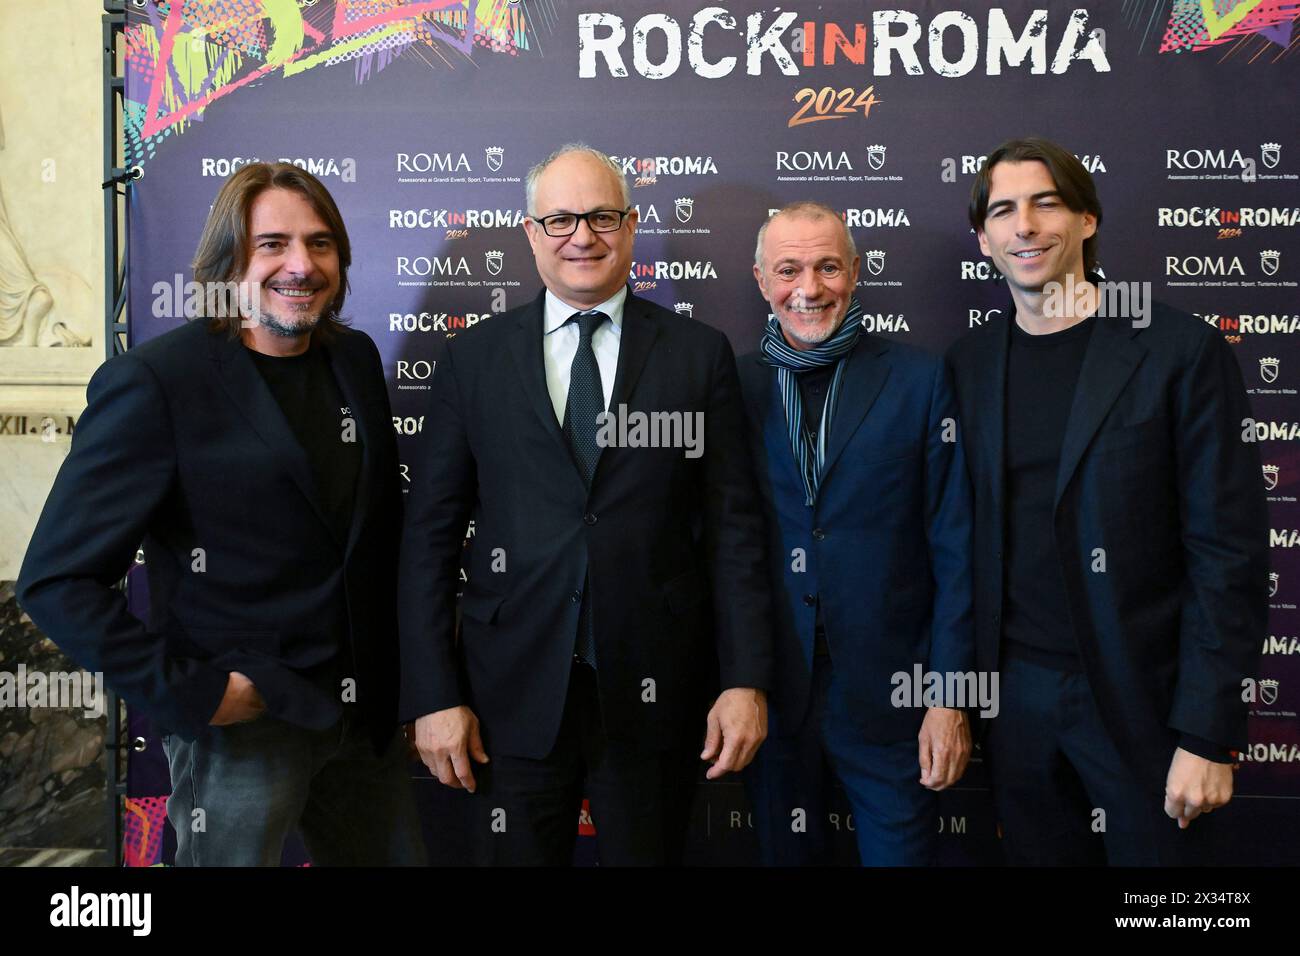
(26,305)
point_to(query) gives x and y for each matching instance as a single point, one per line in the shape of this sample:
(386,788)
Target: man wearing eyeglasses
(614,629)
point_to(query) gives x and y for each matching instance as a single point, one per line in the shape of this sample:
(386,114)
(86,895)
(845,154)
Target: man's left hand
(1195,786)
(944,743)
(736,725)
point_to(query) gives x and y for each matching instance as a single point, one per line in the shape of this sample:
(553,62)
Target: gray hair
(805,209)
(534,174)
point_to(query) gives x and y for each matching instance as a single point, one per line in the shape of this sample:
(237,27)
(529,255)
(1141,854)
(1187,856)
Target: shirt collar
(557,312)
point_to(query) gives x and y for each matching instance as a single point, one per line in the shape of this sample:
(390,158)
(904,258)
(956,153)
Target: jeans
(239,790)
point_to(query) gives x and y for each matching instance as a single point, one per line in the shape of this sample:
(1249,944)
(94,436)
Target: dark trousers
(527,810)
(895,819)
(1063,793)
(239,790)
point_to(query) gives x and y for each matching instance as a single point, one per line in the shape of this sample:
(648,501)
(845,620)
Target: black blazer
(184,447)
(673,546)
(1154,472)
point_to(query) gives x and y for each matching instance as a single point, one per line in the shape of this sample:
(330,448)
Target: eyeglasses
(566,223)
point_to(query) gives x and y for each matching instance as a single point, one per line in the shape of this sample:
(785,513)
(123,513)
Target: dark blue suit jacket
(887,544)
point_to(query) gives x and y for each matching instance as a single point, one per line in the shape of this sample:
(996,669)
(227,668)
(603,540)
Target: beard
(288,329)
(806,336)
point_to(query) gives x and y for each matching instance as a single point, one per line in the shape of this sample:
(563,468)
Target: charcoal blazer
(1160,526)
(671,546)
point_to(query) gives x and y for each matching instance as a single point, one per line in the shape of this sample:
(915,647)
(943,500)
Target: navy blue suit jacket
(887,544)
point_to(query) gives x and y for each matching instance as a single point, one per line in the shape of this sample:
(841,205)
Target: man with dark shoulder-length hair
(1120,535)
(252,453)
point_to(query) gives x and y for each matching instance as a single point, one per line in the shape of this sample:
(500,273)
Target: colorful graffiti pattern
(183,55)
(144,819)
(1199,24)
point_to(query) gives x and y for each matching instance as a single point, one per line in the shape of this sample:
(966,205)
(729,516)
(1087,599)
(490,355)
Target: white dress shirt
(560,345)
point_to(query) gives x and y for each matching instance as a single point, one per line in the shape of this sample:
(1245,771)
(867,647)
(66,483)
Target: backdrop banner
(422,118)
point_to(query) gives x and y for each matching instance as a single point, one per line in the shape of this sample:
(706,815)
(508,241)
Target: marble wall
(51,247)
(52,765)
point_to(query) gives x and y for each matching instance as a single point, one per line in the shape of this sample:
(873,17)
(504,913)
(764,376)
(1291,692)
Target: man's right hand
(446,740)
(240,703)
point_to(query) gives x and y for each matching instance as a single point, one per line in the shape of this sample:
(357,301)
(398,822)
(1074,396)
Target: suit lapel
(638,334)
(864,377)
(251,395)
(991,366)
(769,412)
(526,350)
(1108,364)
(349,378)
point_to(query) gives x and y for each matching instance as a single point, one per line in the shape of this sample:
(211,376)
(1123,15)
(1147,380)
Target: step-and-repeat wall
(422,118)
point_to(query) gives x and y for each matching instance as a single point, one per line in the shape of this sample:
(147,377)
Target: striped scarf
(809,450)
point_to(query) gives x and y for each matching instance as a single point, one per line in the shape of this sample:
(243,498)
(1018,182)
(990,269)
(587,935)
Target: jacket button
(575,597)
(810,599)
(589,518)
(819,534)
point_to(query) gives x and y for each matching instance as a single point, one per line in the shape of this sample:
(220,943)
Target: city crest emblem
(1268,368)
(685,209)
(494,260)
(1271,154)
(1270,477)
(875,262)
(1269,261)
(494,155)
(876,156)
(1268,690)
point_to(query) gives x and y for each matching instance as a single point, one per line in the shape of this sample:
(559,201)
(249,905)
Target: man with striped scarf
(863,478)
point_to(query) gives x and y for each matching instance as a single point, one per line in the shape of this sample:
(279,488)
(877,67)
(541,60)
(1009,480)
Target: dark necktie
(585,402)
(586,397)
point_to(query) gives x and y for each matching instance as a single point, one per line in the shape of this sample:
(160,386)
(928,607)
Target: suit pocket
(892,451)
(217,641)
(684,592)
(481,607)
(1134,439)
